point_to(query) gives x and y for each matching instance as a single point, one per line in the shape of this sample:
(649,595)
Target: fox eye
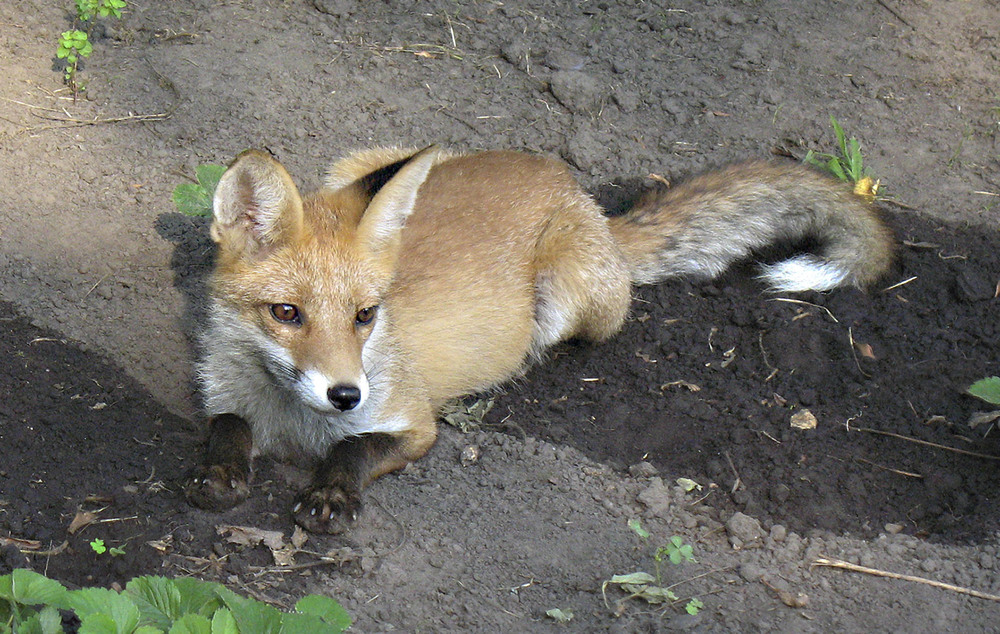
(365,316)
(286,313)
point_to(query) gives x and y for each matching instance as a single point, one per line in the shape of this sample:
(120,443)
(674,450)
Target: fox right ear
(256,203)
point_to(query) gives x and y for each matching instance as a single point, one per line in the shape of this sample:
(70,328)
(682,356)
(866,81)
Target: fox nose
(344,397)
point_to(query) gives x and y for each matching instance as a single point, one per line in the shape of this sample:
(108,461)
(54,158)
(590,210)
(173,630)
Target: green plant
(30,604)
(97,545)
(987,389)
(195,199)
(848,166)
(75,43)
(676,551)
(642,585)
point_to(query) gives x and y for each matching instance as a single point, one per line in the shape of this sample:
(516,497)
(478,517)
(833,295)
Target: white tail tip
(803,273)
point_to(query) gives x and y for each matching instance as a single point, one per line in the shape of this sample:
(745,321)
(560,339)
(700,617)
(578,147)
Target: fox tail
(702,226)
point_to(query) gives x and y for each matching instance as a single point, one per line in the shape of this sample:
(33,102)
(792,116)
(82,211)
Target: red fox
(340,322)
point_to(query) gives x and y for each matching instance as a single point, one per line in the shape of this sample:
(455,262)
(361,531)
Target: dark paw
(216,487)
(331,509)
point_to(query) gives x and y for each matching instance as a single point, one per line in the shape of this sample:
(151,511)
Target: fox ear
(394,192)
(256,204)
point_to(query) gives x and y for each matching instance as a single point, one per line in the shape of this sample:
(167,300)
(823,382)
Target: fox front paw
(328,509)
(216,487)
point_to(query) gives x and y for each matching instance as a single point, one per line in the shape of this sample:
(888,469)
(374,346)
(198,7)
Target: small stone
(893,529)
(642,470)
(778,533)
(803,419)
(744,531)
(469,455)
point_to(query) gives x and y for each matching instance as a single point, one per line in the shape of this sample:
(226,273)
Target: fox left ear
(395,193)
(256,204)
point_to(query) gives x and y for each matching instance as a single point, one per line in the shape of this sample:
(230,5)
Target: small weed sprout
(848,166)
(643,585)
(75,43)
(99,547)
(676,551)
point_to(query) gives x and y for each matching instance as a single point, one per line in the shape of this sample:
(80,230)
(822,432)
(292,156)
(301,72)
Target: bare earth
(101,291)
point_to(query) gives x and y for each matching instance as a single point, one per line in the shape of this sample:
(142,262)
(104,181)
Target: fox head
(305,277)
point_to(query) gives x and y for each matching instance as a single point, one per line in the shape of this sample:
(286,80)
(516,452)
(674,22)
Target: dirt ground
(101,283)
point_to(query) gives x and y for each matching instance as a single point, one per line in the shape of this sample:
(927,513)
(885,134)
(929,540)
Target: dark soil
(705,379)
(102,288)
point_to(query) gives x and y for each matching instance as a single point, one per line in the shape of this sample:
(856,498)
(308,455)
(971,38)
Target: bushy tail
(702,226)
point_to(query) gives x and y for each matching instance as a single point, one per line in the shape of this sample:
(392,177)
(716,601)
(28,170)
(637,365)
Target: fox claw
(216,487)
(332,509)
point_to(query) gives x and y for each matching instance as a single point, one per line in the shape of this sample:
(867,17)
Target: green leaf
(296,622)
(987,389)
(27,587)
(101,602)
(208,176)
(694,606)
(834,166)
(48,621)
(250,615)
(637,528)
(192,200)
(158,600)
(223,622)
(841,137)
(198,597)
(562,616)
(192,624)
(325,608)
(633,578)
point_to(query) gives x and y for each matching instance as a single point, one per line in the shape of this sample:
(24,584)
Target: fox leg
(333,501)
(221,481)
(582,283)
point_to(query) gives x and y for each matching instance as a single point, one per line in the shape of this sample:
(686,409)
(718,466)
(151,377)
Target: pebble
(744,531)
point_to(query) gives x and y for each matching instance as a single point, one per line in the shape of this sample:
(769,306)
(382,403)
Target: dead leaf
(284,556)
(690,387)
(251,536)
(299,537)
(982,418)
(162,546)
(865,350)
(23,544)
(80,520)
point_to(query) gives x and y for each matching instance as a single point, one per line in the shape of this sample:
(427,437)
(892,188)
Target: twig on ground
(846,565)
(884,468)
(928,443)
